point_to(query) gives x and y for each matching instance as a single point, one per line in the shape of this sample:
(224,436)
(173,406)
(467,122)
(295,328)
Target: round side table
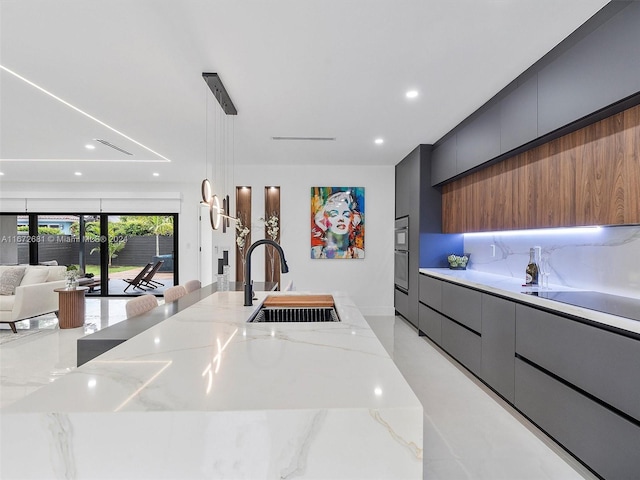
(71,307)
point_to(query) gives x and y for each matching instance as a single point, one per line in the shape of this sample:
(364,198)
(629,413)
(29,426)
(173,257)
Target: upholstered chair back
(172,294)
(139,305)
(192,285)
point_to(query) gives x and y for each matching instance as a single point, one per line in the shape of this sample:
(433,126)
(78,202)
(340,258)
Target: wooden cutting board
(299,301)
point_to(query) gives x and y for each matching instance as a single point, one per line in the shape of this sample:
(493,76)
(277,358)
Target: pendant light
(217,212)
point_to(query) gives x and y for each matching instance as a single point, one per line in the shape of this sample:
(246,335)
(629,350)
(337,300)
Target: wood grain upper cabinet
(598,71)
(443,161)
(479,140)
(519,115)
(587,177)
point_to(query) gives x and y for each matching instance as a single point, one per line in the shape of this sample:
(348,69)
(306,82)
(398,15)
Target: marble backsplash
(605,259)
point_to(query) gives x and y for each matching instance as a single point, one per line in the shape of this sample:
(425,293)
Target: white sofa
(34,296)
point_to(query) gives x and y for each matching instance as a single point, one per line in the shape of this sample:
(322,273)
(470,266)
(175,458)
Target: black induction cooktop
(601,302)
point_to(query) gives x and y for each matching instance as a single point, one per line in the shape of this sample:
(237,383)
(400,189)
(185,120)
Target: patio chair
(172,294)
(192,285)
(148,281)
(139,305)
(137,282)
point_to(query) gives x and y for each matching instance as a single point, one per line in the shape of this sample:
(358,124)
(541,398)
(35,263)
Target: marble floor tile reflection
(41,352)
(469,432)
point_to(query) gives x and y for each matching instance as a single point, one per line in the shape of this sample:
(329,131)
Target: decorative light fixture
(217,211)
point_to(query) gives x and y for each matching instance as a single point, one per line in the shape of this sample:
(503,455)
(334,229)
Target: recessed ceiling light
(1,173)
(156,174)
(88,146)
(378,141)
(78,174)
(412,94)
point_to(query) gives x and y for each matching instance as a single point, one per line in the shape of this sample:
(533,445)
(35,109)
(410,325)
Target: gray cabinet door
(401,302)
(499,344)
(431,292)
(519,116)
(430,323)
(602,363)
(462,304)
(598,71)
(479,140)
(462,344)
(606,442)
(443,161)
(407,184)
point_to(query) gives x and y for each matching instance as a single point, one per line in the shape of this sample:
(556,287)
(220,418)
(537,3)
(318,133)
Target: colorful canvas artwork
(337,222)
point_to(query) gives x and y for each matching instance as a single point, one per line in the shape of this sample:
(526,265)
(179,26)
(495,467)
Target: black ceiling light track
(218,90)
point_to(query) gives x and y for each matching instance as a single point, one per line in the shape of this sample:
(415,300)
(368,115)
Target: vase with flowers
(71,276)
(272,231)
(242,232)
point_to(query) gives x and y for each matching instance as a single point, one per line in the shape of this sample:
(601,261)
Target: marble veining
(411,446)
(605,260)
(249,400)
(298,464)
(61,444)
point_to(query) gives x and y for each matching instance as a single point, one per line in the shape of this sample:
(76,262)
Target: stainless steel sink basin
(295,314)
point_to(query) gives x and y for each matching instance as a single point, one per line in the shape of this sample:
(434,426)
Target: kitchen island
(204,394)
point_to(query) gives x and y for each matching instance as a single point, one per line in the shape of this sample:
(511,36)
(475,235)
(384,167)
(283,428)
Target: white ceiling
(333,68)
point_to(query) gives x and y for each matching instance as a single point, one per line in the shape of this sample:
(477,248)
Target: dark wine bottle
(532,269)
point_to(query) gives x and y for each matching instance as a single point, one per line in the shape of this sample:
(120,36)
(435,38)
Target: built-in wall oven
(401,254)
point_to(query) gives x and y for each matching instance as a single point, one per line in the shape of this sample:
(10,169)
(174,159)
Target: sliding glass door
(141,253)
(114,254)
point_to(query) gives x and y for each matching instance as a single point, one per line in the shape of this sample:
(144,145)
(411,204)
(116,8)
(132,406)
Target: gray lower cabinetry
(401,302)
(430,323)
(602,363)
(498,344)
(605,441)
(576,381)
(462,344)
(431,292)
(463,304)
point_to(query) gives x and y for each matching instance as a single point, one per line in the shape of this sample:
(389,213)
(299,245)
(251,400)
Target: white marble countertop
(511,287)
(206,365)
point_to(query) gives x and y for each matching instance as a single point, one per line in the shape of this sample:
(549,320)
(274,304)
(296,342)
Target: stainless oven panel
(401,241)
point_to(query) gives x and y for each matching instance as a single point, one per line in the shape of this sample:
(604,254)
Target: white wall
(368,281)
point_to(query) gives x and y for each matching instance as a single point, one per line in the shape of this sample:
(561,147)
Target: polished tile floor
(469,432)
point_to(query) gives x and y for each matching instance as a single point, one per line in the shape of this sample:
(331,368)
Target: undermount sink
(296,308)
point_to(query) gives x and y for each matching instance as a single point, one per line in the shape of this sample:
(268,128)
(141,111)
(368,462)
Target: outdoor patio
(117,284)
